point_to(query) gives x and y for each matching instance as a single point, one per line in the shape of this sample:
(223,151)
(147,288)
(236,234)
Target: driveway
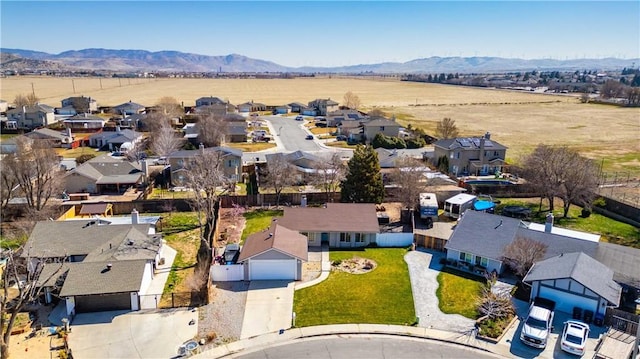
(123,334)
(424,266)
(268,308)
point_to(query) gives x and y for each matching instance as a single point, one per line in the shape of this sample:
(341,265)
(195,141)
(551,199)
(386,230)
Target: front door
(324,238)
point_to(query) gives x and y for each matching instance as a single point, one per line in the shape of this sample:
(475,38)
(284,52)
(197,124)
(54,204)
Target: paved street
(292,134)
(367,346)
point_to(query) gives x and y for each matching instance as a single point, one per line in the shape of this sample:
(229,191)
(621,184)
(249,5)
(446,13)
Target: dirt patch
(231,225)
(355,265)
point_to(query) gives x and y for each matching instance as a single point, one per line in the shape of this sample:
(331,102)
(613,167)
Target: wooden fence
(622,321)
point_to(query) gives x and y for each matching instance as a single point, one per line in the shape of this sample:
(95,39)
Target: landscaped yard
(76,152)
(382,296)
(257,221)
(610,229)
(458,293)
(251,147)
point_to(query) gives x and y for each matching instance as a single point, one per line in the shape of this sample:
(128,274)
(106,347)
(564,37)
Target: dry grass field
(518,120)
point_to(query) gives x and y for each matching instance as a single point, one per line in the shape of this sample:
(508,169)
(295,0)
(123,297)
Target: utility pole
(73,85)
(100,83)
(33,90)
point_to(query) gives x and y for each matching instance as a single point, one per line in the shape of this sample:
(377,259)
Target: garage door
(566,301)
(272,269)
(101,303)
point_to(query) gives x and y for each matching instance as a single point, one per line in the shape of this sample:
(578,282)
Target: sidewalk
(151,296)
(276,338)
(324,274)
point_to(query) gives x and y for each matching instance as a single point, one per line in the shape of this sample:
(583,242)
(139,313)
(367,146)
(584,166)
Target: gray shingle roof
(191,153)
(468,143)
(87,278)
(581,268)
(380,122)
(107,170)
(46,133)
(625,262)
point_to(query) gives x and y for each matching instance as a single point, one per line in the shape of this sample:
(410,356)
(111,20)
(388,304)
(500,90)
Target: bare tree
(170,107)
(279,175)
(351,100)
(522,253)
(205,176)
(329,173)
(27,288)
(612,89)
(376,112)
(633,96)
(494,304)
(8,180)
(26,100)
(408,175)
(35,168)
(211,129)
(164,140)
(446,129)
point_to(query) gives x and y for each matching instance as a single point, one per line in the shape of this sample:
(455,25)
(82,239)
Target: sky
(330,33)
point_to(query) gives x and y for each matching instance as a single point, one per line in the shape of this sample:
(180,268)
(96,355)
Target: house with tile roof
(471,155)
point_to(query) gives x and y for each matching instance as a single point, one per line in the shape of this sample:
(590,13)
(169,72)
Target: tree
(329,173)
(363,181)
(211,129)
(446,129)
(35,168)
(279,175)
(351,100)
(84,158)
(170,107)
(164,140)
(28,100)
(494,304)
(443,164)
(28,290)
(561,172)
(376,112)
(205,176)
(633,96)
(408,176)
(81,104)
(612,89)
(8,180)
(521,254)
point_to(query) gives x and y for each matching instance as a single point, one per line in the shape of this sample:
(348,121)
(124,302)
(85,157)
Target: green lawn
(610,229)
(457,293)
(382,296)
(181,231)
(257,221)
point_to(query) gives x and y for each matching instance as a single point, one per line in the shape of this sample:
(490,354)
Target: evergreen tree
(363,182)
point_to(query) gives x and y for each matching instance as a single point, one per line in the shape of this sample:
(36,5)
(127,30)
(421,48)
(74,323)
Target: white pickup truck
(539,323)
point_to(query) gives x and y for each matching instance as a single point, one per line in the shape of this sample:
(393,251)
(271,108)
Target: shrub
(416,142)
(84,158)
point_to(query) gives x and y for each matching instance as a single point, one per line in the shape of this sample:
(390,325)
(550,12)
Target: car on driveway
(574,337)
(309,137)
(299,118)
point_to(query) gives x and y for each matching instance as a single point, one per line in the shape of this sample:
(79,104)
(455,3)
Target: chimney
(69,133)
(548,224)
(118,128)
(487,135)
(135,217)
(109,265)
(201,147)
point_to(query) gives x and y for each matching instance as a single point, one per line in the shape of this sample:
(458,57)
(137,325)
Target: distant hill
(18,63)
(175,61)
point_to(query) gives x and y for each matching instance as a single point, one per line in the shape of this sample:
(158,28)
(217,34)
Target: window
(480,261)
(359,237)
(466,257)
(462,256)
(345,237)
(381,128)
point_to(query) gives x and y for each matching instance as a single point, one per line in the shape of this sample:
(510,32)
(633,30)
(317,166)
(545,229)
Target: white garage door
(272,269)
(566,301)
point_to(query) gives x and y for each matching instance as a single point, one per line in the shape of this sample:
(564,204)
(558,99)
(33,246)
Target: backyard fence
(622,321)
(173,300)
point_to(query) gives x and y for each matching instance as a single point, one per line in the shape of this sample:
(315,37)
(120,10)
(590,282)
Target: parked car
(341,138)
(299,118)
(539,323)
(574,337)
(309,137)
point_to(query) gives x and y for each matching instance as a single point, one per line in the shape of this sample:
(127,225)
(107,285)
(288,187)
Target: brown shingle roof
(277,237)
(336,217)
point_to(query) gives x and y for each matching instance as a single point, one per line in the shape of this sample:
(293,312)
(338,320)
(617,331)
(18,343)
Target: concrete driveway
(124,334)
(424,266)
(268,308)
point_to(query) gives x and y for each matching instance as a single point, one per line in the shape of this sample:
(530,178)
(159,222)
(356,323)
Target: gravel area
(424,267)
(223,316)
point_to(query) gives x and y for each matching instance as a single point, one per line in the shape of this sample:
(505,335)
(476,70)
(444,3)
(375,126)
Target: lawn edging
(281,337)
(499,338)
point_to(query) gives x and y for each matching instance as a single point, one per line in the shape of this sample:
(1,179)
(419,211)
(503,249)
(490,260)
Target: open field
(519,120)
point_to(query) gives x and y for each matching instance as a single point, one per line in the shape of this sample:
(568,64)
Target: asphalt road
(367,346)
(292,134)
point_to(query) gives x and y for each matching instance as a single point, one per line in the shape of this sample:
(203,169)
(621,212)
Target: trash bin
(599,320)
(577,313)
(588,316)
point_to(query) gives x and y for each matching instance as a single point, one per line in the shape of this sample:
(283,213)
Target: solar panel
(353,116)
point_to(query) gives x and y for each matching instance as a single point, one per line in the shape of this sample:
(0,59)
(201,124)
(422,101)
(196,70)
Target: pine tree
(363,182)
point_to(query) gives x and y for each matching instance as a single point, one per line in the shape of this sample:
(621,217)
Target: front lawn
(182,233)
(458,293)
(610,229)
(251,146)
(77,152)
(382,296)
(257,221)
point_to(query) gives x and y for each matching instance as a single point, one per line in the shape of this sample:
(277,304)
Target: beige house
(471,155)
(380,125)
(30,117)
(323,106)
(230,159)
(81,104)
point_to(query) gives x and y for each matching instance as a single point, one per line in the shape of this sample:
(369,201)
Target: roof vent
(109,265)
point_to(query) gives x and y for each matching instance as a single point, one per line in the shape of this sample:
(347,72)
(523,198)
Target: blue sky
(330,33)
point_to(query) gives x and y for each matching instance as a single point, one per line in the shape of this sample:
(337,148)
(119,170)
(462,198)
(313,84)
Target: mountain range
(175,61)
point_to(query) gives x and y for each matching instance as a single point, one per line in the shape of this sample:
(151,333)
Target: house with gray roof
(321,106)
(471,155)
(84,122)
(92,265)
(30,117)
(128,108)
(574,280)
(118,140)
(104,174)
(81,104)
(380,125)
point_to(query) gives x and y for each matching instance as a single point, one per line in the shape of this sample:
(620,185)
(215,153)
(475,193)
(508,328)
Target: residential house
(380,125)
(30,117)
(81,104)
(84,122)
(55,138)
(128,108)
(340,225)
(135,122)
(478,245)
(305,163)
(323,106)
(352,129)
(335,118)
(191,133)
(94,266)
(574,280)
(218,110)
(282,110)
(251,107)
(230,160)
(66,111)
(236,132)
(209,101)
(105,174)
(118,140)
(276,253)
(296,107)
(473,155)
